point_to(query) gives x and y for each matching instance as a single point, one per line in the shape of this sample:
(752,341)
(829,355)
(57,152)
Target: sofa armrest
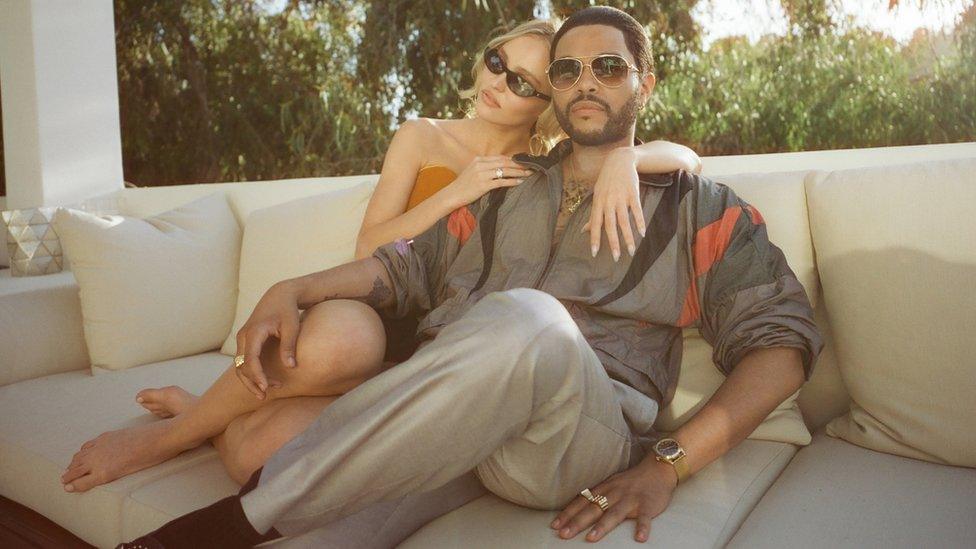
(41,331)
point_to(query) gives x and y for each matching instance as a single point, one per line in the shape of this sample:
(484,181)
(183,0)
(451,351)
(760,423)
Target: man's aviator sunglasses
(609,69)
(519,85)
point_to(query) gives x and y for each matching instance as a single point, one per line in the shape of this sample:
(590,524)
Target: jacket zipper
(554,249)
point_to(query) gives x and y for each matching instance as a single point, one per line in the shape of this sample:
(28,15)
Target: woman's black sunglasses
(519,85)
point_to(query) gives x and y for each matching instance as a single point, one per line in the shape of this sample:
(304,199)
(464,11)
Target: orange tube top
(430,179)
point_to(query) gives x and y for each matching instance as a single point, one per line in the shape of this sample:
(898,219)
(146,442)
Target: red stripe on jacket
(461,224)
(711,241)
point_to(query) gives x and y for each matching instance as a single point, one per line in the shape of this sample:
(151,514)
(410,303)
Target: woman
(433,168)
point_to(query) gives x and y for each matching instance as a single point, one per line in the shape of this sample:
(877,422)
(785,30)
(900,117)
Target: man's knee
(532,323)
(527,307)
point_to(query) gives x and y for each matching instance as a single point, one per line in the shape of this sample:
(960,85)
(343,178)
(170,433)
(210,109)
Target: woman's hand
(615,195)
(480,176)
(276,314)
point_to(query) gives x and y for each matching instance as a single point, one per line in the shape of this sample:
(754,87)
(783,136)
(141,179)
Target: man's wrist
(661,469)
(292,287)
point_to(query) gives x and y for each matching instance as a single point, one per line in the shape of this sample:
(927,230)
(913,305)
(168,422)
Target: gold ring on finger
(602,502)
(238,361)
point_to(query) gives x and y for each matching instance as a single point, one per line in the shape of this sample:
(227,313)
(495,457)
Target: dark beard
(616,128)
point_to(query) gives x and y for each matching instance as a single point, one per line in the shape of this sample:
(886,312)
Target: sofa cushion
(40,326)
(156,288)
(781,200)
(46,420)
(836,494)
(897,262)
(292,239)
(705,511)
(245,196)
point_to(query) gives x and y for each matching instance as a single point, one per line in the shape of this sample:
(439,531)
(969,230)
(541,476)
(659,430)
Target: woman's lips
(489,99)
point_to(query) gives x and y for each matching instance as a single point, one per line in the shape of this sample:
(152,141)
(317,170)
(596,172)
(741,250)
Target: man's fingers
(241,342)
(611,518)
(258,377)
(248,384)
(288,342)
(569,512)
(582,520)
(238,371)
(643,532)
(252,357)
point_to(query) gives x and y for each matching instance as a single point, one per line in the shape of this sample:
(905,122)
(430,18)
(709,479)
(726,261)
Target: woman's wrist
(624,155)
(448,199)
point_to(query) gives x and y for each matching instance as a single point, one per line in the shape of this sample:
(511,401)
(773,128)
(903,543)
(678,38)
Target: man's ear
(647,87)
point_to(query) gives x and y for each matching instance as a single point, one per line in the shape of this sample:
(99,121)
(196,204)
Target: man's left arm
(759,321)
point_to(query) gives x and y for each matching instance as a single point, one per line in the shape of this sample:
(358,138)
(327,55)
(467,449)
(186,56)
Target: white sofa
(763,493)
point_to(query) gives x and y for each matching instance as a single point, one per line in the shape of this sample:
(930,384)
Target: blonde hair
(546,131)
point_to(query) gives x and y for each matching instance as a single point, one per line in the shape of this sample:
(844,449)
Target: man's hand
(641,492)
(276,314)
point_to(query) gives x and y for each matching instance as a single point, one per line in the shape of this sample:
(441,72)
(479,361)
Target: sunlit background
(265,89)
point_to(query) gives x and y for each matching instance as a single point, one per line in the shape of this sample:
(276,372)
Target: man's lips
(586,107)
(489,99)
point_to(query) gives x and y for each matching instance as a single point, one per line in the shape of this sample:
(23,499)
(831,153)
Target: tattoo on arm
(379,296)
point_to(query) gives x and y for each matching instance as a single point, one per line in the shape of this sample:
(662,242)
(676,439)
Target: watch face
(667,447)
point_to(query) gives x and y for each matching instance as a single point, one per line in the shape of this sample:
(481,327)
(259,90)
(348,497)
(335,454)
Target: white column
(61,134)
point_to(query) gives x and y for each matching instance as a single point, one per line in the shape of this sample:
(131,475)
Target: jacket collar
(546,162)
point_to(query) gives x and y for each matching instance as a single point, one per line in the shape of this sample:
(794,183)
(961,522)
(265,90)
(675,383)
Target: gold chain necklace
(579,193)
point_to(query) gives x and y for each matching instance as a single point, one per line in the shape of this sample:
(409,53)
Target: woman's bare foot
(166,401)
(114,454)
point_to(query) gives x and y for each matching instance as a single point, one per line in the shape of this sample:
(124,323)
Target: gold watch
(669,451)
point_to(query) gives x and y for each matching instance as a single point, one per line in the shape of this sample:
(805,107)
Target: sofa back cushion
(896,251)
(292,239)
(156,288)
(781,200)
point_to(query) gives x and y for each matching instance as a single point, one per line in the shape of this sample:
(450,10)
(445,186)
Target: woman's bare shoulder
(443,140)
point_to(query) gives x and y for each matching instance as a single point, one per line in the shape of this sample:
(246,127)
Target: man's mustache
(592,98)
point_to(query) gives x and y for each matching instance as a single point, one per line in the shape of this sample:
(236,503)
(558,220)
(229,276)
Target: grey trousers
(510,395)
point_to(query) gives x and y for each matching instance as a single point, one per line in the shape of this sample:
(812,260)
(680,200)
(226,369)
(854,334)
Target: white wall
(62,140)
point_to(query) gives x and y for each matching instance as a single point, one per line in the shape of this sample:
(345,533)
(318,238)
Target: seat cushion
(46,420)
(704,512)
(40,326)
(836,494)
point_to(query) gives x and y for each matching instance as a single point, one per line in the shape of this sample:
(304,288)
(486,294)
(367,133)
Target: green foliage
(223,90)
(811,91)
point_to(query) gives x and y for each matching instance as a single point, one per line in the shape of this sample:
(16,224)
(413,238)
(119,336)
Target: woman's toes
(82,483)
(73,472)
(147,396)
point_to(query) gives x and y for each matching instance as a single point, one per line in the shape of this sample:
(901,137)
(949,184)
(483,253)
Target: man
(543,367)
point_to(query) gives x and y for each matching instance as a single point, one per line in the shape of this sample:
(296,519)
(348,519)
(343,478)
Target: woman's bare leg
(340,344)
(251,438)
